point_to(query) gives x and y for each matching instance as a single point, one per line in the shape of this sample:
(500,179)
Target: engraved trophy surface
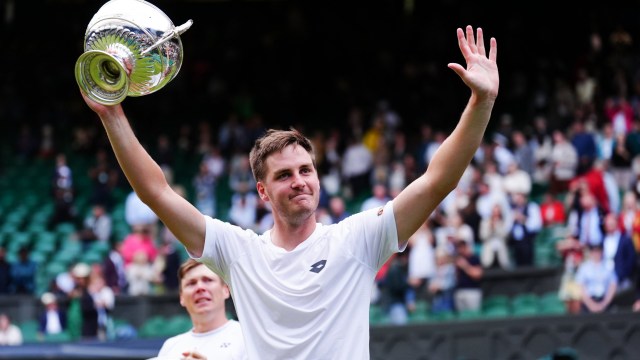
(131,48)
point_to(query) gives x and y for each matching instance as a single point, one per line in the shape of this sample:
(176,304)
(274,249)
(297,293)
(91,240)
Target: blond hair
(189,265)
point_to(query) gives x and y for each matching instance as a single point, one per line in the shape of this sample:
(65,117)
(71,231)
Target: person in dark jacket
(619,252)
(5,272)
(53,320)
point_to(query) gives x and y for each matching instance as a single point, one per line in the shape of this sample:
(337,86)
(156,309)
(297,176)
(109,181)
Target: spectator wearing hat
(84,300)
(53,320)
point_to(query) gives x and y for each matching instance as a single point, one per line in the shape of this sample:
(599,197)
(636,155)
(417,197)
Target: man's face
(202,291)
(291,184)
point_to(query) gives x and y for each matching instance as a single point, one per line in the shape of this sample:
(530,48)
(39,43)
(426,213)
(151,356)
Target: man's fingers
(480,42)
(493,50)
(471,40)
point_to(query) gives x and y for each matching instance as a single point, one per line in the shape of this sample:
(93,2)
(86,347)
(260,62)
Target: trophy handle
(168,35)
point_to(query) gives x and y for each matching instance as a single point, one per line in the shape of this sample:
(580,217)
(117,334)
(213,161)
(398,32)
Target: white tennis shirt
(223,343)
(311,302)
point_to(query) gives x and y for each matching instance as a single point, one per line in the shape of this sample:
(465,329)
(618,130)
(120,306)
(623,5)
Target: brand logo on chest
(317,267)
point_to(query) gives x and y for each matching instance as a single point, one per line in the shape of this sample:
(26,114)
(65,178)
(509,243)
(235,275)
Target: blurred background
(353,76)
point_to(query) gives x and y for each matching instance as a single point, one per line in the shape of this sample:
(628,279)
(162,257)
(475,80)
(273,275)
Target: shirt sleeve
(371,235)
(223,244)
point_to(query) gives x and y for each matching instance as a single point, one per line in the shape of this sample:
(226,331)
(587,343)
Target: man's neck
(289,236)
(207,325)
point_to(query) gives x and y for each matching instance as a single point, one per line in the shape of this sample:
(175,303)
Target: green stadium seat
(36,226)
(16,240)
(120,231)
(71,247)
(525,304)
(421,312)
(100,247)
(63,336)
(524,310)
(65,229)
(551,304)
(45,241)
(30,200)
(178,324)
(496,306)
(16,217)
(418,317)
(8,228)
(29,330)
(53,268)
(92,257)
(38,257)
(123,329)
(63,257)
(525,299)
(377,315)
(443,316)
(7,200)
(153,327)
(495,301)
(470,315)
(496,312)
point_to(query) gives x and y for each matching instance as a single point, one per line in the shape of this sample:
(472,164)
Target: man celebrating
(302,289)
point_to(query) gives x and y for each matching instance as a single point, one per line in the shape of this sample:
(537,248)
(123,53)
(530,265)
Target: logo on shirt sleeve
(317,267)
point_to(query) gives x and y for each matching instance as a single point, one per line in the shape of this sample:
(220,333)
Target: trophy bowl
(131,48)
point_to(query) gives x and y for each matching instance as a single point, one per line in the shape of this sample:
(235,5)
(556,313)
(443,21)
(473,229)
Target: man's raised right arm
(148,180)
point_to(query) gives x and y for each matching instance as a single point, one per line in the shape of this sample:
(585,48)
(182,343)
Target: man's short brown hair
(272,141)
(187,266)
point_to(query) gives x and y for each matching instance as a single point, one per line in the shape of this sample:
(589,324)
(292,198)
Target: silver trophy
(131,48)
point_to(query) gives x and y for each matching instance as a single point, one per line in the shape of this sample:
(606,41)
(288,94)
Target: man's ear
(261,191)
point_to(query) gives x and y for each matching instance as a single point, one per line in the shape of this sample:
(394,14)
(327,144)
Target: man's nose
(297,181)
